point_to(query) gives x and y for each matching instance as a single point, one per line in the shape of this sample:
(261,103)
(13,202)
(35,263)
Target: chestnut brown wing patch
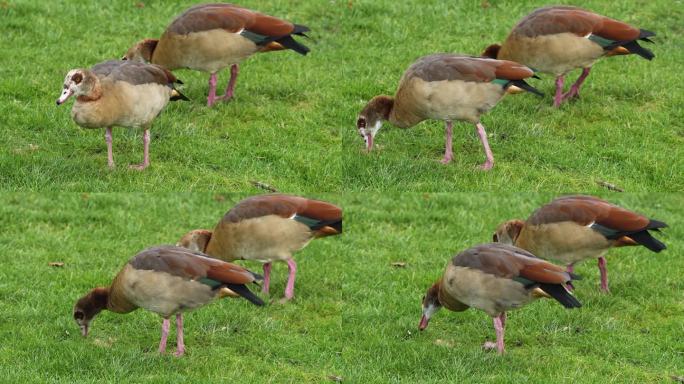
(585,210)
(134,72)
(567,19)
(182,262)
(229,17)
(440,67)
(511,70)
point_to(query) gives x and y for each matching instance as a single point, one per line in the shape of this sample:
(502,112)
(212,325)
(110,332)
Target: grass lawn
(292,124)
(354,316)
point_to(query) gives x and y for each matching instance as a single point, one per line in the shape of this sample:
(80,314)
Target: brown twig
(265,186)
(609,186)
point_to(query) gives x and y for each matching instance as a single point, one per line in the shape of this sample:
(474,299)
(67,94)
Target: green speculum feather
(309,222)
(600,40)
(501,82)
(210,282)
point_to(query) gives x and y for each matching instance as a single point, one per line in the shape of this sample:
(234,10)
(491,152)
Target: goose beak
(369,141)
(423,322)
(66,94)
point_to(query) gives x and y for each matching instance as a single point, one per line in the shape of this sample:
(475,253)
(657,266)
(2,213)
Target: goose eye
(77,78)
(361,123)
(78,315)
(495,238)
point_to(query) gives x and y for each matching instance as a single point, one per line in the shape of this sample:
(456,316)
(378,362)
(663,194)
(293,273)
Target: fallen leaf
(485,4)
(678,378)
(444,343)
(56,264)
(399,264)
(140,5)
(335,378)
(219,198)
(104,343)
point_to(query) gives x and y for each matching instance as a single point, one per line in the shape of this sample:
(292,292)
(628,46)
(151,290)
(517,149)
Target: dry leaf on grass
(335,378)
(399,264)
(444,343)
(56,264)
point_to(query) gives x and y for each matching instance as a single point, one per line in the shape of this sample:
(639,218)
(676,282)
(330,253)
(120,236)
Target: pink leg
(574,90)
(146,153)
(604,274)
(180,346)
(448,150)
(212,90)
(499,327)
(234,69)
(267,278)
(108,139)
(165,335)
(489,163)
(571,269)
(289,288)
(559,92)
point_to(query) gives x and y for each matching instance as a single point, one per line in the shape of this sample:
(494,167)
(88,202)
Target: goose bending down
(267,228)
(496,278)
(571,229)
(211,37)
(445,87)
(120,93)
(559,39)
(166,280)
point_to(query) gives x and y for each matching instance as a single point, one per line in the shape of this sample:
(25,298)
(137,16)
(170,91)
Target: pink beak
(65,95)
(423,323)
(369,142)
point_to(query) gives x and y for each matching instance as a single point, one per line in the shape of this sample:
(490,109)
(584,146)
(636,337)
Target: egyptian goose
(559,39)
(120,93)
(211,37)
(267,228)
(496,278)
(445,87)
(575,228)
(166,280)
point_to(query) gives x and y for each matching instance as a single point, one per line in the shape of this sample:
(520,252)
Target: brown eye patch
(361,123)
(77,78)
(78,315)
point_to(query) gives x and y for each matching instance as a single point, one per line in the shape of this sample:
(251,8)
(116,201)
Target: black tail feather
(644,34)
(561,294)
(289,42)
(635,48)
(300,29)
(655,224)
(523,85)
(243,291)
(644,238)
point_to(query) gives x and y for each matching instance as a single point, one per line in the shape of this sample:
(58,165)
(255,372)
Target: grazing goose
(120,93)
(575,228)
(445,87)
(559,39)
(166,280)
(496,278)
(211,37)
(267,228)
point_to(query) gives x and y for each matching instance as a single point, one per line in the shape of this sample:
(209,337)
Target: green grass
(354,315)
(292,124)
